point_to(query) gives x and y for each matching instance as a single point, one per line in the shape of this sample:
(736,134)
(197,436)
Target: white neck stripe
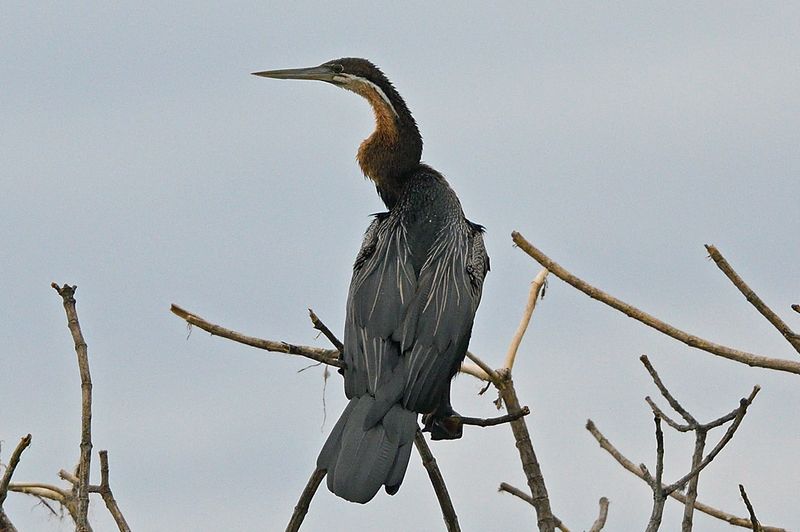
(348,79)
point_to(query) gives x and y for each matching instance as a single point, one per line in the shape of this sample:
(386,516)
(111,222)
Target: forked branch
(677,495)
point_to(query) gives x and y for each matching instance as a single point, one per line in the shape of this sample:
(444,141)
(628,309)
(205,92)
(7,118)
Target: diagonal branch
(321,327)
(301,509)
(326,356)
(533,297)
(491,375)
(437,480)
(5,480)
(5,523)
(750,510)
(792,337)
(508,488)
(665,392)
(730,353)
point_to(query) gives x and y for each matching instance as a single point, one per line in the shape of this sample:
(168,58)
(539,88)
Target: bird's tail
(360,455)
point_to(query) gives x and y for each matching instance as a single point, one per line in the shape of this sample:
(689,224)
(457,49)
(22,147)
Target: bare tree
(75,498)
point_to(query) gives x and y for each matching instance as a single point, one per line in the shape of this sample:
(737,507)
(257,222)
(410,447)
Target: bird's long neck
(394,149)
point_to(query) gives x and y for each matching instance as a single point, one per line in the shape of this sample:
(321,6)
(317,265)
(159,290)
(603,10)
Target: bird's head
(351,73)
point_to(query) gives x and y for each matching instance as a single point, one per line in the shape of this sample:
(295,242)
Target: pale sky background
(142,162)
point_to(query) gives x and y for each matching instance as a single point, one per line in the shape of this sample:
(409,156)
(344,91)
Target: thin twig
(492,421)
(475,370)
(437,480)
(487,369)
(301,509)
(321,327)
(326,356)
(108,495)
(743,357)
(69,477)
(600,522)
(5,523)
(706,509)
(533,297)
(67,294)
(665,392)
(5,480)
(753,298)
(750,510)
(671,422)
(508,488)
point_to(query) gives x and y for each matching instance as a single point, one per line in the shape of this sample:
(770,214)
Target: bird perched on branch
(416,285)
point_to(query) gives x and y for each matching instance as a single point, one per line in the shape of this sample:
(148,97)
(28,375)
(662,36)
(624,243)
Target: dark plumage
(416,285)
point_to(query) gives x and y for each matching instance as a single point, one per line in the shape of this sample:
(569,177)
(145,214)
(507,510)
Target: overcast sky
(142,162)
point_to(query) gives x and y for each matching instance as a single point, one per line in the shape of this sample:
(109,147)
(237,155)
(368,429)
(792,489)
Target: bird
(416,285)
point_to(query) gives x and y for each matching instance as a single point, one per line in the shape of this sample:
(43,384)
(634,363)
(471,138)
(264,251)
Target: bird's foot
(443,427)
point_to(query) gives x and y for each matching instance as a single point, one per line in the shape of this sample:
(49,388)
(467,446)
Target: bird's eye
(338,68)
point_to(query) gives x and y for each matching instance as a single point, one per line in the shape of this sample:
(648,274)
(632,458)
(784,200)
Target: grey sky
(142,162)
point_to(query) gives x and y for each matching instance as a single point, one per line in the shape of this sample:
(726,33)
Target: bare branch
(301,509)
(659,494)
(67,294)
(492,421)
(736,355)
(5,480)
(665,392)
(733,413)
(715,451)
(671,422)
(706,509)
(437,480)
(69,477)
(600,522)
(38,489)
(691,491)
(508,488)
(490,373)
(326,356)
(753,518)
(753,298)
(796,308)
(5,523)
(533,296)
(108,495)
(530,464)
(475,370)
(321,327)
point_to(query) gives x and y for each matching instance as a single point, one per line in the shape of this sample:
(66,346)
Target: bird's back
(416,286)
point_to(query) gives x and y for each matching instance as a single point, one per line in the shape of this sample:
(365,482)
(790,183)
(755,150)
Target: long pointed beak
(320,73)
